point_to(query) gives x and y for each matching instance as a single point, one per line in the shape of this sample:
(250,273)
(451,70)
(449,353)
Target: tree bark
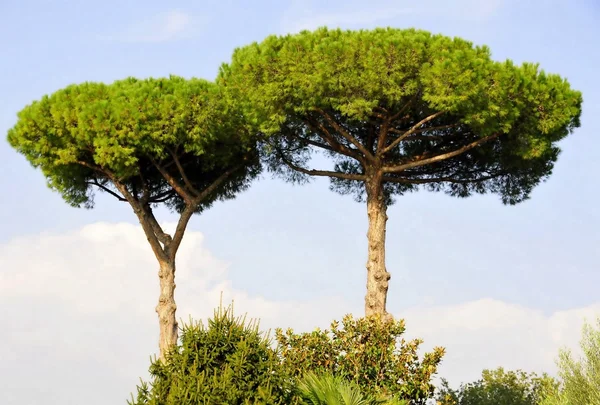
(166,307)
(377,275)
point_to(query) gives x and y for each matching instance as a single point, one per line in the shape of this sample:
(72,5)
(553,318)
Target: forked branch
(177,186)
(142,215)
(412,130)
(346,135)
(193,205)
(330,139)
(385,128)
(184,176)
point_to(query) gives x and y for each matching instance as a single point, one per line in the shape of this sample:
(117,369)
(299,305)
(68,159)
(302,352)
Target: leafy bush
(580,377)
(326,389)
(366,351)
(499,387)
(229,362)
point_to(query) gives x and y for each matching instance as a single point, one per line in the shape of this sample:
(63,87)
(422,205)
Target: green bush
(229,362)
(366,351)
(580,377)
(327,389)
(499,387)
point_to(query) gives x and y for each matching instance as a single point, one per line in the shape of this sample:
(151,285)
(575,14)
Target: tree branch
(407,180)
(162,197)
(440,157)
(145,187)
(160,234)
(383,132)
(385,129)
(378,115)
(371,135)
(317,144)
(184,219)
(104,188)
(217,183)
(178,187)
(187,182)
(346,135)
(154,233)
(333,143)
(404,107)
(91,166)
(139,211)
(324,173)
(193,206)
(418,131)
(411,131)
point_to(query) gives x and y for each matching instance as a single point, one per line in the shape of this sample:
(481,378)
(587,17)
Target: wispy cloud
(169,26)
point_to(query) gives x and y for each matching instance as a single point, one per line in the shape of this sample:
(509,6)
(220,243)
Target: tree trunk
(166,307)
(377,275)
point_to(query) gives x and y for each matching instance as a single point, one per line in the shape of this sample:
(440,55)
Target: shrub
(367,351)
(580,377)
(499,387)
(229,362)
(326,389)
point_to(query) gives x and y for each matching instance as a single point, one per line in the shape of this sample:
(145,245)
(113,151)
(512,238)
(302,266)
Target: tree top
(356,71)
(432,94)
(96,134)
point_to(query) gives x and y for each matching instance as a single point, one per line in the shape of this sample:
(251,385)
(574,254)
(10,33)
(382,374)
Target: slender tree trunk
(161,244)
(166,307)
(377,275)
(165,249)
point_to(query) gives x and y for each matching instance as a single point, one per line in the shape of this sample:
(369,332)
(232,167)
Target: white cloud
(308,14)
(169,26)
(78,316)
(489,333)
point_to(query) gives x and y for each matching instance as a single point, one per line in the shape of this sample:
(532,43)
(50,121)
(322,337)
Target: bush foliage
(367,351)
(229,362)
(499,387)
(580,377)
(327,389)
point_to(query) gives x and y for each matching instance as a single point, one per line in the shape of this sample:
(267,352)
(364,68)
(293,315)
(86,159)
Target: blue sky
(281,246)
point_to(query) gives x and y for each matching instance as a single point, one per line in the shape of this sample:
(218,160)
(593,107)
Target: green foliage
(368,352)
(94,135)
(326,389)
(580,377)
(227,363)
(231,362)
(361,98)
(499,387)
